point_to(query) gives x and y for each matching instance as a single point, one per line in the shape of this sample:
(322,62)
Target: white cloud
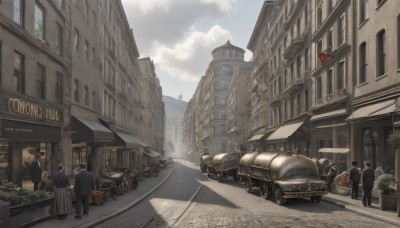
(185,60)
(223,5)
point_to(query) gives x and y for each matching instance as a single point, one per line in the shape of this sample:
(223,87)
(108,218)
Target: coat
(84,183)
(368,177)
(354,175)
(36,172)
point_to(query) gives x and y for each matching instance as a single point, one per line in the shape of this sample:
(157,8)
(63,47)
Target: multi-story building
(236,108)
(375,82)
(332,73)
(34,72)
(82,101)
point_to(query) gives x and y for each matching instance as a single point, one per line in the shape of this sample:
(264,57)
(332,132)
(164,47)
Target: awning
(152,153)
(148,154)
(328,114)
(378,109)
(129,141)
(285,131)
(90,131)
(256,137)
(334,150)
(330,125)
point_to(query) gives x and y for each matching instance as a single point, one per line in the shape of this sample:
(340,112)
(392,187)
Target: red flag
(323,56)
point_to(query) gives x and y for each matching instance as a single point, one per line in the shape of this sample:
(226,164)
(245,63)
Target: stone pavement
(147,185)
(110,208)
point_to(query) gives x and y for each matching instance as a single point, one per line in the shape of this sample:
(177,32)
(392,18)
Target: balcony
(295,46)
(275,99)
(294,84)
(331,98)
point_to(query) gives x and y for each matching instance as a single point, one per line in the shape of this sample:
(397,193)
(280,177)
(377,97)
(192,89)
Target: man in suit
(84,184)
(36,172)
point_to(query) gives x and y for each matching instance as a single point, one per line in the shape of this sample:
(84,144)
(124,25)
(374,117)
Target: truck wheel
(264,190)
(317,199)
(220,176)
(312,198)
(278,195)
(202,168)
(236,177)
(208,173)
(248,184)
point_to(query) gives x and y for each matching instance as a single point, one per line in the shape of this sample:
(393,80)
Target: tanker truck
(205,159)
(281,176)
(224,165)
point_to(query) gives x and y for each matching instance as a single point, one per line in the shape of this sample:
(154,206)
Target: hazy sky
(179,35)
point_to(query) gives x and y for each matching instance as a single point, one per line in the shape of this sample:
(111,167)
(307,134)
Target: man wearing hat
(36,172)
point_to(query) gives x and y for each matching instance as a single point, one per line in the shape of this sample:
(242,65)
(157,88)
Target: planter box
(97,197)
(342,190)
(388,202)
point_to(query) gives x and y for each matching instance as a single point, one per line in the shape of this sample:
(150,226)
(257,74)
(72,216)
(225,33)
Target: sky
(179,36)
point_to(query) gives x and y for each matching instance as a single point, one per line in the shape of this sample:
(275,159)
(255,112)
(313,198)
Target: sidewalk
(356,206)
(110,208)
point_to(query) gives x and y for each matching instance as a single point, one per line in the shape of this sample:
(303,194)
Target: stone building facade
(71,88)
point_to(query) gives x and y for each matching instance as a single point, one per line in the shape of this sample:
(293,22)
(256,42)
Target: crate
(97,197)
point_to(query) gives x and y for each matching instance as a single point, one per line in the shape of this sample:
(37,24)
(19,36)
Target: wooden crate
(97,197)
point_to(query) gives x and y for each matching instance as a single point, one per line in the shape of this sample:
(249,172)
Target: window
(292,107)
(94,99)
(330,5)
(306,15)
(319,87)
(1,55)
(40,81)
(319,14)
(379,1)
(60,3)
(298,65)
(59,39)
(76,40)
(94,15)
(298,27)
(39,24)
(380,52)
(330,82)
(86,10)
(298,104)
(342,29)
(319,51)
(19,72)
(398,41)
(59,88)
(93,56)
(76,90)
(330,40)
(340,76)
(86,50)
(86,95)
(363,63)
(286,109)
(306,105)
(363,10)
(306,60)
(19,12)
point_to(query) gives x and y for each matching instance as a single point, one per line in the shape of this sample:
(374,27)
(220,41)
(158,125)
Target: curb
(361,212)
(127,207)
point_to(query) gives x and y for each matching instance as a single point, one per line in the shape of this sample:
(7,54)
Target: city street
(228,205)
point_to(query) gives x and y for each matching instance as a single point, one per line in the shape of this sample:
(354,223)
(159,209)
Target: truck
(281,176)
(205,159)
(224,165)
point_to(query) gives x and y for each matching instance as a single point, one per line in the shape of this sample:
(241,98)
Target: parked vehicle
(205,159)
(224,165)
(282,176)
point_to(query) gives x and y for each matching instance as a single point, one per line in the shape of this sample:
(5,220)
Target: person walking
(367,178)
(354,179)
(61,204)
(36,172)
(331,176)
(84,185)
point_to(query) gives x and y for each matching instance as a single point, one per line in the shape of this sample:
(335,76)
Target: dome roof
(227,45)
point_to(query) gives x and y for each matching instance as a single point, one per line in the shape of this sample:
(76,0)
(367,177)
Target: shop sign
(16,130)
(30,109)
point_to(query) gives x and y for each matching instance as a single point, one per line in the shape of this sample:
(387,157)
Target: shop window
(387,159)
(369,145)
(79,155)
(110,161)
(4,162)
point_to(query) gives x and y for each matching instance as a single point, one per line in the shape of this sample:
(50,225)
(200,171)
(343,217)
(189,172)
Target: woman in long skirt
(62,204)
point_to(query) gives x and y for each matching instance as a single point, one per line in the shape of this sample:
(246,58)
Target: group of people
(366,177)
(83,186)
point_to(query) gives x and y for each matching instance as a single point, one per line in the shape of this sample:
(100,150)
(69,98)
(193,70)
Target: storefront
(28,127)
(294,137)
(92,143)
(371,126)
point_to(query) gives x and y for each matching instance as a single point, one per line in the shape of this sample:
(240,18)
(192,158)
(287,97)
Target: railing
(293,83)
(338,95)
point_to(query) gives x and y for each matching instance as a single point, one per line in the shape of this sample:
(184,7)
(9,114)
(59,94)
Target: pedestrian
(36,172)
(367,178)
(84,185)
(61,204)
(354,179)
(331,176)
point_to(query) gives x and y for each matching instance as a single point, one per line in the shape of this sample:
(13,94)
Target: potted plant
(387,200)
(394,139)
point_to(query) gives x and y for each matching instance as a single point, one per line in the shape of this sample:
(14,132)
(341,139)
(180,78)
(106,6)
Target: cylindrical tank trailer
(205,159)
(282,176)
(223,165)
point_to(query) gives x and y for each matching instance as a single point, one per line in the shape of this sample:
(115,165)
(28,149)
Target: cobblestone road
(227,204)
